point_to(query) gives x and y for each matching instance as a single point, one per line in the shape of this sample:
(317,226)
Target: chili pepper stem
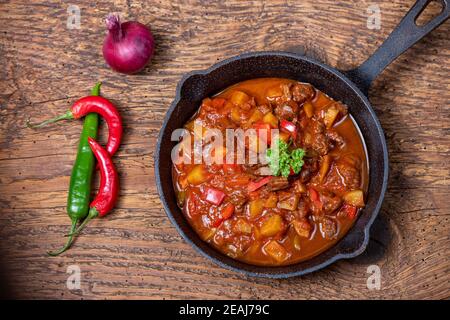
(65,116)
(95,91)
(68,243)
(93,213)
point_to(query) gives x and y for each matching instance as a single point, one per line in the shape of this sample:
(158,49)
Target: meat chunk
(302,210)
(229,236)
(287,94)
(278,183)
(350,174)
(238,245)
(344,174)
(320,144)
(330,202)
(302,92)
(316,208)
(263,171)
(287,110)
(264,108)
(238,198)
(253,168)
(315,138)
(289,203)
(309,169)
(328,228)
(319,139)
(334,138)
(302,227)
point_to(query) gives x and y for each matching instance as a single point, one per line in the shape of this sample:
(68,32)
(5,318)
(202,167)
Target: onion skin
(128,46)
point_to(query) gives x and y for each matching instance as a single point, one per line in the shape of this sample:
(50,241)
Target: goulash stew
(296,204)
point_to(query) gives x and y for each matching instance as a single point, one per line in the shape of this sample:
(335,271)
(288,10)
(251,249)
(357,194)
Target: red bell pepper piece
(350,211)
(225,214)
(289,127)
(228,211)
(255,185)
(216,222)
(213,196)
(218,102)
(314,195)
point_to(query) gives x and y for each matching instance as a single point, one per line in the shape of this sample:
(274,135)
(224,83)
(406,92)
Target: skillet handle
(405,35)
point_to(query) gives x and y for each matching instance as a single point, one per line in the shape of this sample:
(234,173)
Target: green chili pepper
(82,172)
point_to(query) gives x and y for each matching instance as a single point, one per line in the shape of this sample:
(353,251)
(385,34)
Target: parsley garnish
(285,160)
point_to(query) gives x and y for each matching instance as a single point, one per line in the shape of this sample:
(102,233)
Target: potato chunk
(309,109)
(274,92)
(239,97)
(276,251)
(243,226)
(256,207)
(271,119)
(197,175)
(355,198)
(255,117)
(272,225)
(236,114)
(330,116)
(324,167)
(271,201)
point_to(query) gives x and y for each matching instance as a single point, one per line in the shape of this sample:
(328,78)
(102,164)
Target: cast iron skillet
(351,87)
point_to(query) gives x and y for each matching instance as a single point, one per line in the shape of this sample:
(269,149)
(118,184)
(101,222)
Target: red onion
(128,46)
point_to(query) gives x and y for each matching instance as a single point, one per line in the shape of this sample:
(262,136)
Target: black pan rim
(324,264)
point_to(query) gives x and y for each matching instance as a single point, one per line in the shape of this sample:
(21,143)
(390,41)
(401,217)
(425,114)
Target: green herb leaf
(281,162)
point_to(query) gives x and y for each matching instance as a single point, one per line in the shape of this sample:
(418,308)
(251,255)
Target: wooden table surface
(135,252)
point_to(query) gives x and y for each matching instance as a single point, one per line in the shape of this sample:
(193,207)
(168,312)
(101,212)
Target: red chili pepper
(214,196)
(289,127)
(94,104)
(255,185)
(109,185)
